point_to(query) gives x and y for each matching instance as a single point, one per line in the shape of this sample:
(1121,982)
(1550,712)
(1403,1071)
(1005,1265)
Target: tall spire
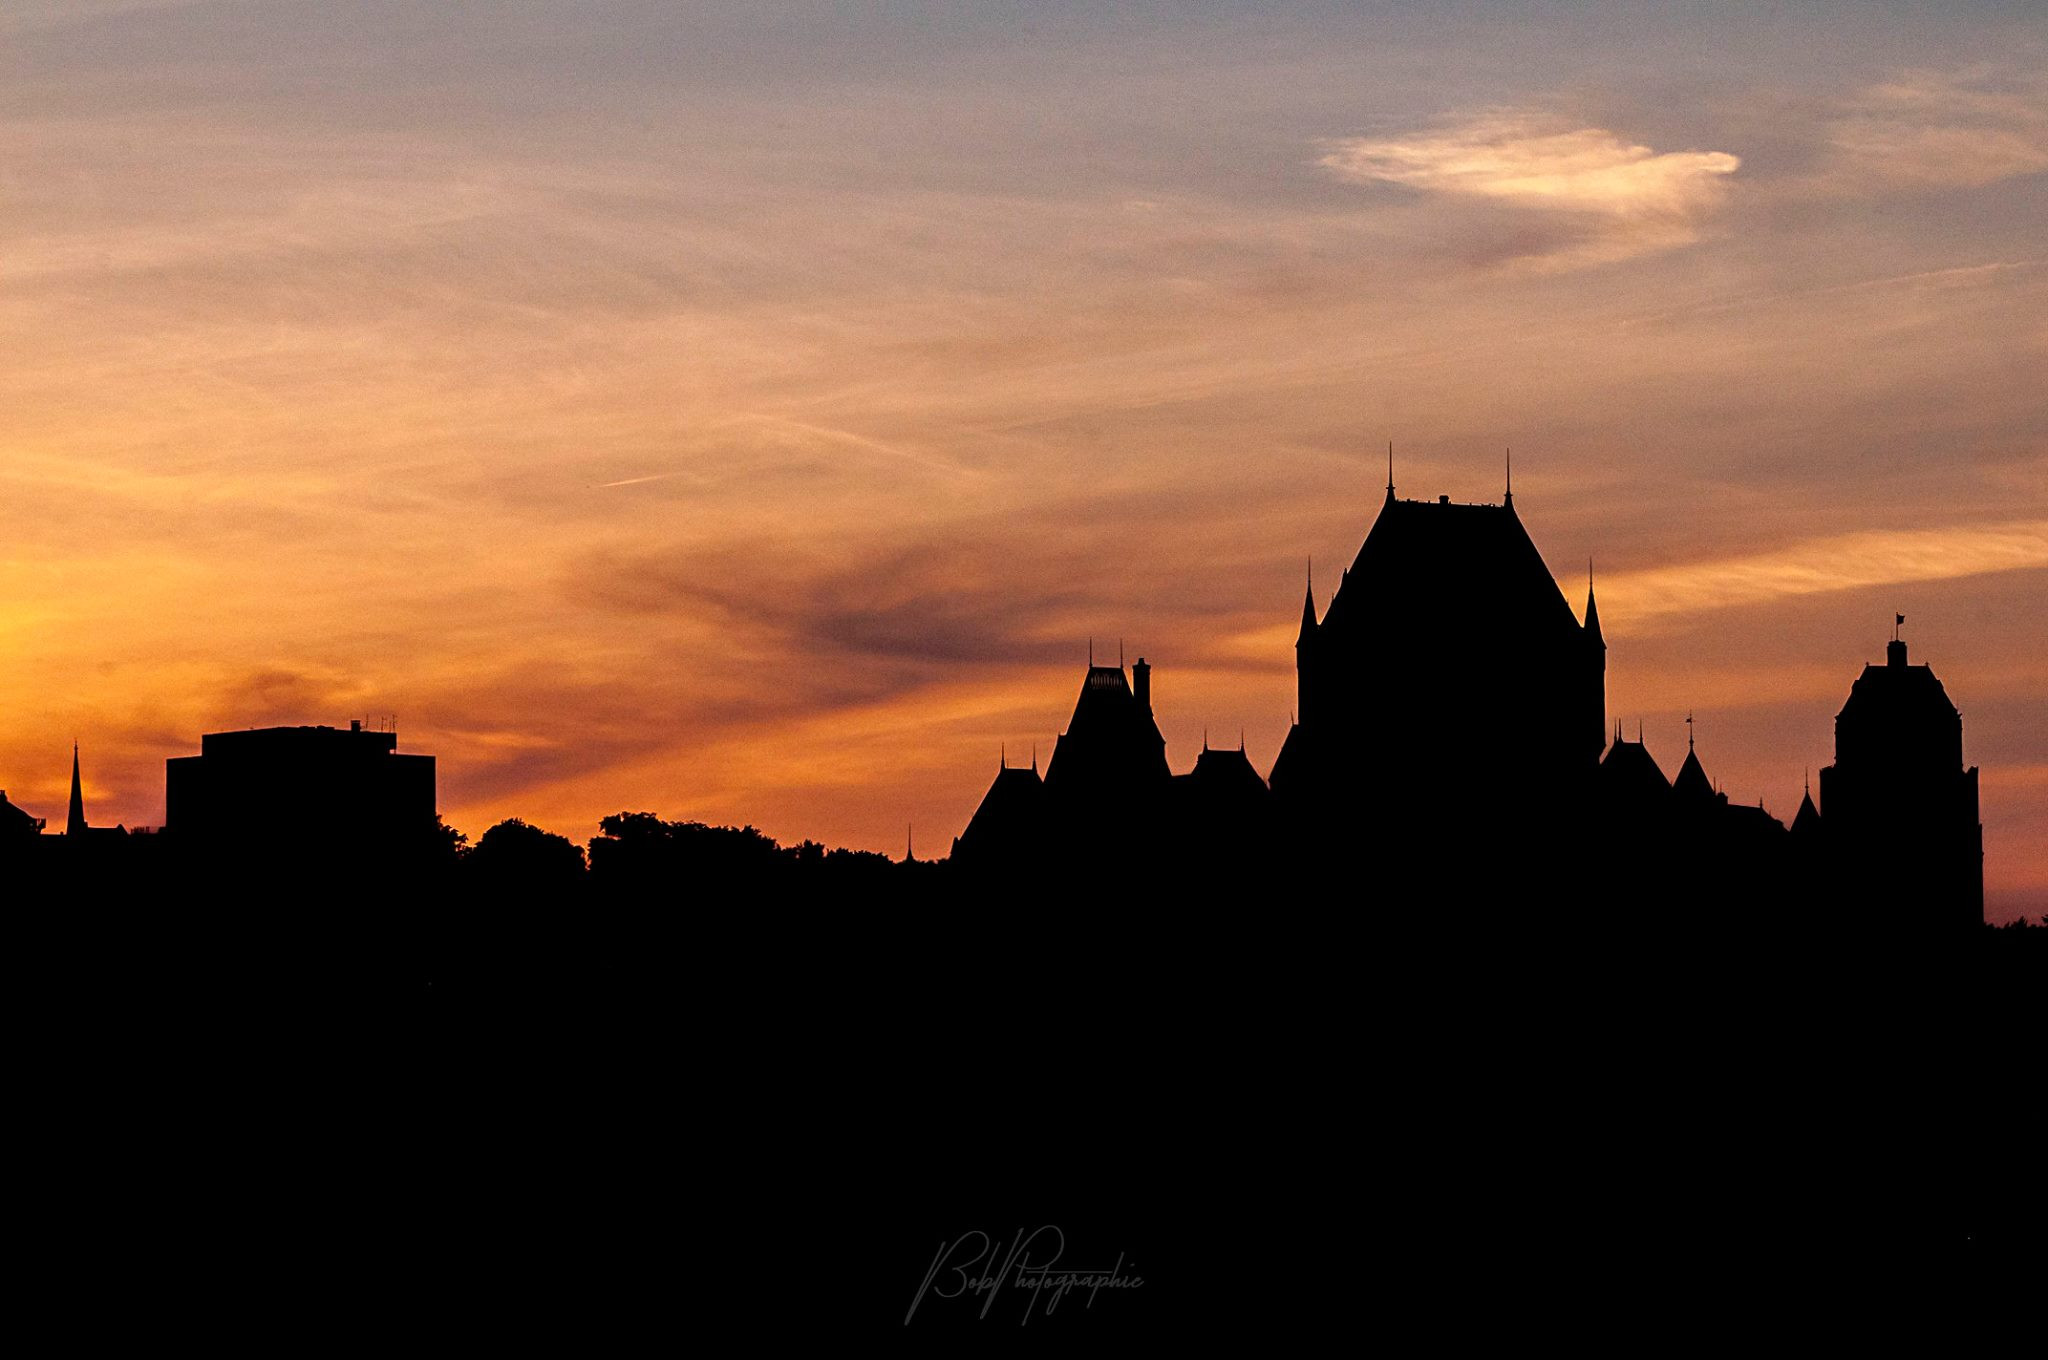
(1308,607)
(1592,609)
(74,824)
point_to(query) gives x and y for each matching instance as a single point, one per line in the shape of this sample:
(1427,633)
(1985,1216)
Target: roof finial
(1091,654)
(1240,741)
(1688,732)
(909,845)
(1205,741)
(1034,757)
(1003,754)
(1119,653)
(1639,731)
(1511,476)
(1390,469)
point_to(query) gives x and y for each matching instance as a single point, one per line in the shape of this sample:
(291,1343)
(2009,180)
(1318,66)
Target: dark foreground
(831,1113)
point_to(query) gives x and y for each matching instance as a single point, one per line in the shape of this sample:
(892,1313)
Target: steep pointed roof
(1692,784)
(1807,821)
(1457,565)
(1308,614)
(1592,613)
(1630,770)
(1007,824)
(1111,739)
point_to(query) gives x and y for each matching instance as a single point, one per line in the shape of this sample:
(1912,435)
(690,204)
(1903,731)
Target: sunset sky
(748,413)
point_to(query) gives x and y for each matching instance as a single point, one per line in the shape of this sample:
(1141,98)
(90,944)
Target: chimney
(1895,653)
(355,724)
(1141,685)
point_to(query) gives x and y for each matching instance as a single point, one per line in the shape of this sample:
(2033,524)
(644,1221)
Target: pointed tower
(1305,650)
(1596,666)
(74,823)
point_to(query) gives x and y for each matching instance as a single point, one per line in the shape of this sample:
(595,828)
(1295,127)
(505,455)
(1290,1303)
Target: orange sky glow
(749,414)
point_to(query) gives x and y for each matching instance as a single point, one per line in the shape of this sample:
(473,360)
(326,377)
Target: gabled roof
(16,821)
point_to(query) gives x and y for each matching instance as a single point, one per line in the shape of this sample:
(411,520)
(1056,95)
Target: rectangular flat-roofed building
(298,782)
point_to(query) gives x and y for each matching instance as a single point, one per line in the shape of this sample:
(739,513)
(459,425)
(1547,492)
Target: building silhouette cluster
(1451,745)
(1451,741)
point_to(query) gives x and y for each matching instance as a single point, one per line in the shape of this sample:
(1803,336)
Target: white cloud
(1611,198)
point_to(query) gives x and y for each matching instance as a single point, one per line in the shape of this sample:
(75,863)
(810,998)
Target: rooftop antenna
(1034,757)
(1511,476)
(1205,741)
(1240,741)
(1003,754)
(1091,654)
(1390,469)
(909,845)
(1119,653)
(1639,731)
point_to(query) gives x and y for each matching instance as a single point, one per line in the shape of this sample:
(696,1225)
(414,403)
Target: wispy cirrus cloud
(1644,599)
(1941,129)
(1605,198)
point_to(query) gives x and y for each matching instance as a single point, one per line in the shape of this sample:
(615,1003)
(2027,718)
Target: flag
(1901,618)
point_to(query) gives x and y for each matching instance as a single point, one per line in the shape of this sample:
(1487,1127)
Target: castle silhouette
(1451,738)
(1450,744)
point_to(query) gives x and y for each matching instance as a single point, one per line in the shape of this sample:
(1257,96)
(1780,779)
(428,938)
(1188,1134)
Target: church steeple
(74,822)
